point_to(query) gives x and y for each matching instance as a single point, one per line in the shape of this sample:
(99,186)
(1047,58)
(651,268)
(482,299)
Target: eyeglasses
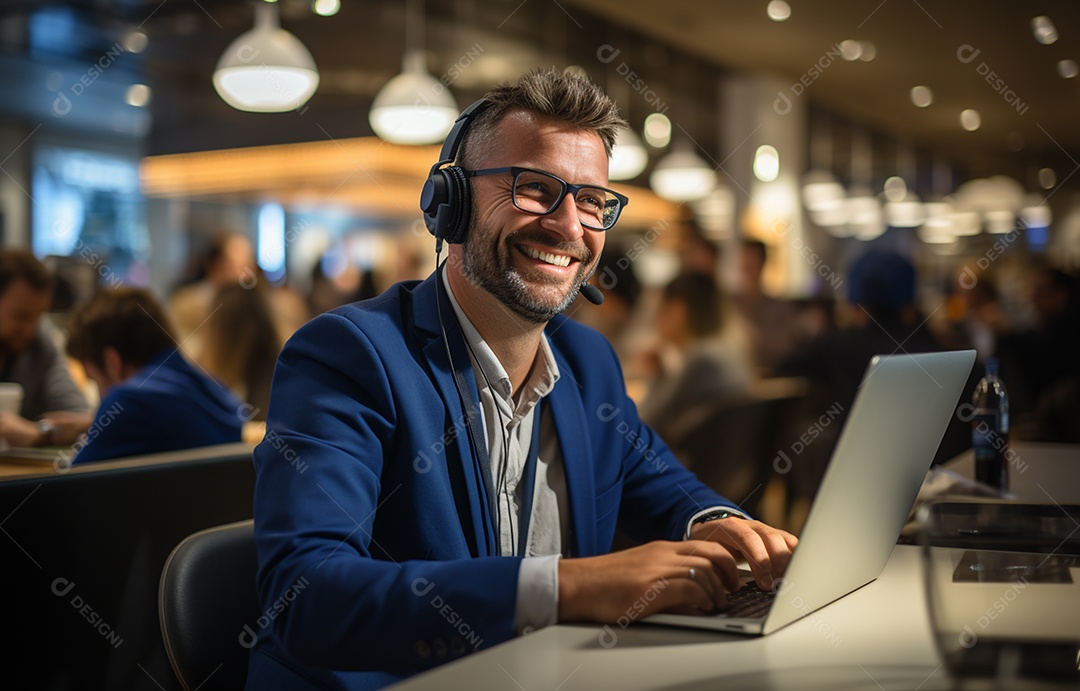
(540,193)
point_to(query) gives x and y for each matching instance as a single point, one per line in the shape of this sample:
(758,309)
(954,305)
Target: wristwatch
(47,431)
(715,516)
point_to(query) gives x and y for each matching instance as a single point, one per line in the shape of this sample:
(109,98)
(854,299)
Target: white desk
(876,636)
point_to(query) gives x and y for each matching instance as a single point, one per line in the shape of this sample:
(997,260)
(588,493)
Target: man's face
(21,307)
(503,251)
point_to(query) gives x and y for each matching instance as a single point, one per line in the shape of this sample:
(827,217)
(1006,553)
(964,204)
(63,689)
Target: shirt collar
(541,379)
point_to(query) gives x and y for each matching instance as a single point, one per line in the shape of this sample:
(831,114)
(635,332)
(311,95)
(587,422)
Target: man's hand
(68,426)
(644,580)
(766,549)
(18,431)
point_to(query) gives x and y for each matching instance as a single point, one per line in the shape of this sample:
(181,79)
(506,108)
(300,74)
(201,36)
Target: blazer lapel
(569,416)
(467,478)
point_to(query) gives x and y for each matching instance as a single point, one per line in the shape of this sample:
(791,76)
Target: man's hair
(20,264)
(704,302)
(562,96)
(128,319)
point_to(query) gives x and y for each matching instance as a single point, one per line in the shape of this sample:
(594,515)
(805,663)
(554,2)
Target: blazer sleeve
(328,601)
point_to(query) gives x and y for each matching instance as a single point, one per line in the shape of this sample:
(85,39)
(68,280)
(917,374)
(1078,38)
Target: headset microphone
(592,293)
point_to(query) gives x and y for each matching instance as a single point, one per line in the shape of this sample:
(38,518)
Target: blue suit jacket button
(422,649)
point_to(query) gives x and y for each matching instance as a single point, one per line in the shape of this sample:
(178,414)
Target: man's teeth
(556,259)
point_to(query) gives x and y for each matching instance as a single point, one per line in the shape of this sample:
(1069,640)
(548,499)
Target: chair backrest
(209,607)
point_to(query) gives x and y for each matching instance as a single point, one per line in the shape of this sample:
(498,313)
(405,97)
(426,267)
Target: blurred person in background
(152,399)
(53,410)
(885,321)
(771,323)
(229,259)
(613,318)
(241,344)
(1034,361)
(697,366)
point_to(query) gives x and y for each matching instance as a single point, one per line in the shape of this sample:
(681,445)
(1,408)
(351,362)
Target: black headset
(445,199)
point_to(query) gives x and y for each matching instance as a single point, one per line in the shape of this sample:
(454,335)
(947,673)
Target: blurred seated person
(1035,361)
(229,259)
(698,367)
(241,345)
(973,316)
(621,288)
(152,399)
(53,410)
(771,324)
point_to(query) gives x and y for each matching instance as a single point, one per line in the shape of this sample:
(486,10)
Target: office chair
(209,607)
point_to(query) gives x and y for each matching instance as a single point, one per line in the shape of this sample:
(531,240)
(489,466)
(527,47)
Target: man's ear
(114,364)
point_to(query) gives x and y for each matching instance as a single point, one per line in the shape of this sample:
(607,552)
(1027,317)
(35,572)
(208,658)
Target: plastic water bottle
(990,429)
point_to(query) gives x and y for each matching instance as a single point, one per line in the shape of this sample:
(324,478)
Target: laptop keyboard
(748,602)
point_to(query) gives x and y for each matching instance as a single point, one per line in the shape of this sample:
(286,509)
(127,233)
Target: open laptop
(896,423)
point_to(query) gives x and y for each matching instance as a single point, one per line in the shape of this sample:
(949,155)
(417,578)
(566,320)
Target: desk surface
(837,647)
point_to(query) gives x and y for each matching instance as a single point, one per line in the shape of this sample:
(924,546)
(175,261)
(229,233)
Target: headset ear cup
(459,198)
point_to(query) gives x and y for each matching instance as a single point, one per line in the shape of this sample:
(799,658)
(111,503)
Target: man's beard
(491,268)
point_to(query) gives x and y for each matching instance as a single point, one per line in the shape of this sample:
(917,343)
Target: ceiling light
(864,217)
(821,191)
(999,222)
(657,130)
(137,95)
(895,188)
(682,175)
(629,157)
(766,163)
(326,8)
(1047,178)
(267,69)
(922,96)
(413,107)
(134,41)
(1036,212)
(778,11)
(1043,29)
(970,119)
(868,51)
(1068,69)
(850,50)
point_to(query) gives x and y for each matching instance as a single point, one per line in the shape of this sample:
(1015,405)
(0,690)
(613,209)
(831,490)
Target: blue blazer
(376,545)
(167,405)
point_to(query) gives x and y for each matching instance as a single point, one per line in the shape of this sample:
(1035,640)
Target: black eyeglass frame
(566,188)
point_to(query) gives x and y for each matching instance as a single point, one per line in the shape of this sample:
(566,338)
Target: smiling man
(446,465)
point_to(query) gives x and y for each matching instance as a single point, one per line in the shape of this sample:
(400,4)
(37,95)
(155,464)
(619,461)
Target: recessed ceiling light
(134,41)
(326,8)
(778,11)
(1043,29)
(970,119)
(922,96)
(137,95)
(850,49)
(1047,178)
(657,130)
(1068,68)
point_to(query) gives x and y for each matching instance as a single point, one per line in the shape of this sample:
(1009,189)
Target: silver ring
(692,572)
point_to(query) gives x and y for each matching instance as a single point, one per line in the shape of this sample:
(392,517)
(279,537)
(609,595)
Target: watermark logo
(610,413)
(967,54)
(782,103)
(422,586)
(61,587)
(248,635)
(607,54)
(608,638)
(783,463)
